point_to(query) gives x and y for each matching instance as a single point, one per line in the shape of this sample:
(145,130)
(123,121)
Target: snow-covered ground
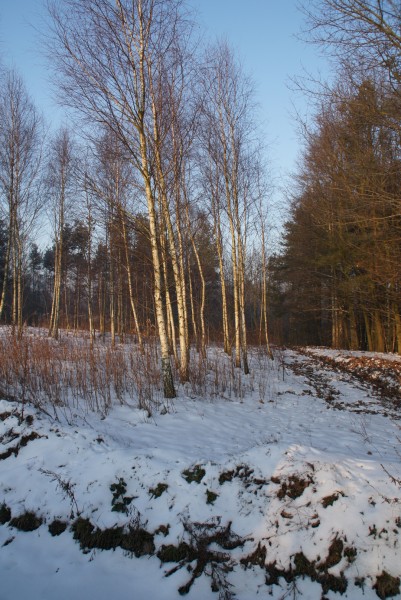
(291,491)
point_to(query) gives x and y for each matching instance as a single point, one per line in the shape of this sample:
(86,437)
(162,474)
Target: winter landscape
(284,483)
(200,332)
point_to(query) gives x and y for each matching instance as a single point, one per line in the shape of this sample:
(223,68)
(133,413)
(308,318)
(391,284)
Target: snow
(280,427)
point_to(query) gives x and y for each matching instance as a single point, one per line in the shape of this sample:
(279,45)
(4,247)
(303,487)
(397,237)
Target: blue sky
(266,35)
(262,31)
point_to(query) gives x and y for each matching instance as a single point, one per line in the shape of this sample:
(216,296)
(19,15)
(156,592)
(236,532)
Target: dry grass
(65,373)
(71,373)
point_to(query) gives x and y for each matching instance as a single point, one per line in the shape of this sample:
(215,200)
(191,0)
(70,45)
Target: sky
(264,33)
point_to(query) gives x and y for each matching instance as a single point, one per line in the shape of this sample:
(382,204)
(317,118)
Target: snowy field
(291,490)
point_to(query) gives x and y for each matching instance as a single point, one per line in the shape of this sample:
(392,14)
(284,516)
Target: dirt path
(375,380)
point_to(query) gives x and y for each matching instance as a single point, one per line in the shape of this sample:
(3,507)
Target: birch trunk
(178,275)
(203,301)
(169,309)
(5,274)
(264,291)
(129,281)
(167,375)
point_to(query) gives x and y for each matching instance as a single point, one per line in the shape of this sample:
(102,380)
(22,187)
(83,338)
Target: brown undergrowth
(382,374)
(71,372)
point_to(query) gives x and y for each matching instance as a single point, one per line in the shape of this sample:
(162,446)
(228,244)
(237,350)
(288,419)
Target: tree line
(337,280)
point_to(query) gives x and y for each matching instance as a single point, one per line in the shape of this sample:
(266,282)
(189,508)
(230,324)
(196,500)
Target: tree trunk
(169,309)
(5,276)
(378,335)
(397,320)
(219,248)
(167,375)
(129,280)
(178,276)
(354,341)
(112,311)
(368,330)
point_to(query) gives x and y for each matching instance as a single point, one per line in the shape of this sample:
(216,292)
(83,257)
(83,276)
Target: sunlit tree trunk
(6,270)
(263,312)
(112,311)
(129,279)
(203,301)
(177,273)
(219,249)
(169,309)
(58,181)
(397,321)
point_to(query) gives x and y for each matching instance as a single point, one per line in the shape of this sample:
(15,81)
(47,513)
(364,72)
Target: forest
(196,399)
(158,215)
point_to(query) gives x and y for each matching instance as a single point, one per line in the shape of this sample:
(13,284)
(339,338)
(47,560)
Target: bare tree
(60,189)
(111,57)
(262,195)
(114,186)
(21,142)
(228,142)
(364,33)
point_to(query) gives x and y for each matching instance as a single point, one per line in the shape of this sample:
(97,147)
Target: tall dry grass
(72,373)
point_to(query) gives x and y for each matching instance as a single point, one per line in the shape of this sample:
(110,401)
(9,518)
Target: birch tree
(228,144)
(114,186)
(21,142)
(109,57)
(60,189)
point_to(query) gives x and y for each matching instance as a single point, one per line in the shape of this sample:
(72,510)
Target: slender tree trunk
(129,281)
(77,297)
(167,375)
(354,341)
(229,176)
(51,320)
(219,248)
(241,285)
(368,330)
(89,274)
(15,286)
(120,307)
(397,320)
(193,314)
(178,276)
(101,304)
(5,274)
(169,309)
(181,269)
(55,314)
(380,345)
(203,301)
(20,290)
(335,338)
(61,161)
(112,311)
(66,306)
(264,292)
(234,266)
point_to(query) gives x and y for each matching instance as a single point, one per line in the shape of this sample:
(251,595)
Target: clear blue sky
(263,31)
